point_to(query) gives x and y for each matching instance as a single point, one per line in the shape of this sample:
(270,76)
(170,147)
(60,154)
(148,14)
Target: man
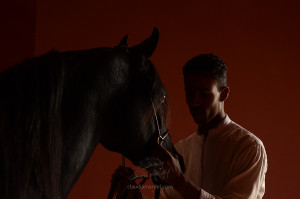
(222,159)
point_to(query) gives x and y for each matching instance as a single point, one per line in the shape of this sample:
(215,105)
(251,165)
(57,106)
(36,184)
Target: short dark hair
(208,64)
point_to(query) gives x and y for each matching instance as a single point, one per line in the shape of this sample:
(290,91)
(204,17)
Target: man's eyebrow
(200,89)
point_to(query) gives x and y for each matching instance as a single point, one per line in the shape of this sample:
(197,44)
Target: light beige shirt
(230,162)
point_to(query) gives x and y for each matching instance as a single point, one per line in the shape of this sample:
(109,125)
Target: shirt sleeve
(165,193)
(248,176)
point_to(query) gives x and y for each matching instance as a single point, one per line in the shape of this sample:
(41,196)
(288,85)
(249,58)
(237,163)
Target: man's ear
(224,94)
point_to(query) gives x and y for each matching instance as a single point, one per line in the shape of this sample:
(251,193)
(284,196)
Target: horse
(56,108)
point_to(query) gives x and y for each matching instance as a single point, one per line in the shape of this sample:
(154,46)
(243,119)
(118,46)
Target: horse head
(139,117)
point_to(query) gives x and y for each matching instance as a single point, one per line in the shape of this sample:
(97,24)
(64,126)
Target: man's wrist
(187,189)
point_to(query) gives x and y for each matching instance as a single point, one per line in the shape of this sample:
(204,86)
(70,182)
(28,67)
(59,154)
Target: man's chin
(200,121)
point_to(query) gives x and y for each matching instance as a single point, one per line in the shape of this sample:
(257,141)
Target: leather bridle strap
(160,140)
(160,137)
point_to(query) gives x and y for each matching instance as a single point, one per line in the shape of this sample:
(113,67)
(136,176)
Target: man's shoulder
(246,146)
(239,133)
(241,138)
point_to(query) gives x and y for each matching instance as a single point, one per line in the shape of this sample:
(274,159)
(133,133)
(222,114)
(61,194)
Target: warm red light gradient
(259,40)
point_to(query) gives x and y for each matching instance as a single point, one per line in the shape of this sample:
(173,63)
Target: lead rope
(125,193)
(114,185)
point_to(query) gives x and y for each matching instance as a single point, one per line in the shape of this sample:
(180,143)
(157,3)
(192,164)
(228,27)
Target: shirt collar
(221,125)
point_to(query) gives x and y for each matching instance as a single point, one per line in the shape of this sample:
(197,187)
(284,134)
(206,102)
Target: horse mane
(30,129)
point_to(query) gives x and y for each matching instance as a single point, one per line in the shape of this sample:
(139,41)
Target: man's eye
(204,94)
(188,93)
(197,94)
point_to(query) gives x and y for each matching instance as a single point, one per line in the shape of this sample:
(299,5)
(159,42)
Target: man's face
(202,97)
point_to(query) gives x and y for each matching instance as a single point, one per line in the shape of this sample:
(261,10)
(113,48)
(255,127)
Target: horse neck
(88,91)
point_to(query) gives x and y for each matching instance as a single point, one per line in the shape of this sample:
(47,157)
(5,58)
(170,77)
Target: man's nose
(194,99)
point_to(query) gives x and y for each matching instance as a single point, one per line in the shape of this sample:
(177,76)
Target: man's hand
(170,166)
(175,177)
(121,180)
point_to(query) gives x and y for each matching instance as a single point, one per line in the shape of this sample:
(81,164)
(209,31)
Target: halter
(160,137)
(160,140)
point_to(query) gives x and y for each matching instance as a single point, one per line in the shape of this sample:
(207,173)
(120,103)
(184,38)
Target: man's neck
(204,128)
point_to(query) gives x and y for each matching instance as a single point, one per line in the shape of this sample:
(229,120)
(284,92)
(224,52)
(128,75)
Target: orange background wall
(17,31)
(259,41)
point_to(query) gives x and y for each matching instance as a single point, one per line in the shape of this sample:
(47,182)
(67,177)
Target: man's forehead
(199,82)
(203,75)
(199,79)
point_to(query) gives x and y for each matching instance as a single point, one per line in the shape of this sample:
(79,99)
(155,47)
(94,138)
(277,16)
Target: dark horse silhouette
(56,108)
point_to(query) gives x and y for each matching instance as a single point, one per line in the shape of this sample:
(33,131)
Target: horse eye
(163,99)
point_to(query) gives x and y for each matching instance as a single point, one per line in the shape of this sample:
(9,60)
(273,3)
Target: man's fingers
(122,173)
(161,153)
(174,155)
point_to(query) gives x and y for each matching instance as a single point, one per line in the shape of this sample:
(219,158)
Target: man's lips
(197,111)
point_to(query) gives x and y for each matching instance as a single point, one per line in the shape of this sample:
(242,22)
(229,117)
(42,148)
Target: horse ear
(148,46)
(124,42)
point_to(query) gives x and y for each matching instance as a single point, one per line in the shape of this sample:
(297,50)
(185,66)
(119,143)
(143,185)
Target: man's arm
(246,181)
(248,176)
